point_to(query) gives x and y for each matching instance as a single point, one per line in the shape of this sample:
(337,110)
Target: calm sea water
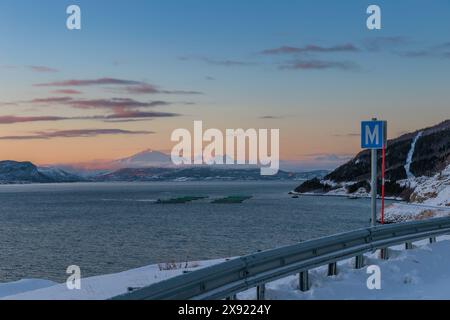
(105,228)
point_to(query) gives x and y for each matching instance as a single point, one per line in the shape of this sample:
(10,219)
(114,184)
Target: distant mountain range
(425,152)
(145,166)
(201,173)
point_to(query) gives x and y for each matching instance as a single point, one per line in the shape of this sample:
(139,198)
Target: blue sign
(373,134)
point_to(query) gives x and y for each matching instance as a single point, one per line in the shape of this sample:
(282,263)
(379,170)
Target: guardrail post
(433,240)
(384,253)
(359,262)
(332,269)
(408,246)
(261,292)
(304,281)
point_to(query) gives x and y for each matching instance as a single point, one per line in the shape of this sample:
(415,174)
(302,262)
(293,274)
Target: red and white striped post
(383,169)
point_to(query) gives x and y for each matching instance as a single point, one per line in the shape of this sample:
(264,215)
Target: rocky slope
(430,155)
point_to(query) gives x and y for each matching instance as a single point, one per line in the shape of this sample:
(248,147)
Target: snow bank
(12,288)
(421,273)
(99,287)
(401,212)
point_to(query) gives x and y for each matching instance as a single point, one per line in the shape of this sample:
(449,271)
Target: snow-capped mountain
(150,165)
(151,159)
(145,159)
(411,160)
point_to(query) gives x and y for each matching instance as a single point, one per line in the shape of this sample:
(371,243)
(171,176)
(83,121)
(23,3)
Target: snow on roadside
(17,287)
(105,286)
(421,273)
(403,212)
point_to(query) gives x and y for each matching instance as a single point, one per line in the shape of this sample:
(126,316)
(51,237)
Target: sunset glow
(110,90)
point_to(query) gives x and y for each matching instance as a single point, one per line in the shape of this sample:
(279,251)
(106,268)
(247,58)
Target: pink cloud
(114,103)
(93,82)
(319,65)
(51,100)
(312,49)
(131,86)
(67,91)
(15,119)
(82,133)
(42,69)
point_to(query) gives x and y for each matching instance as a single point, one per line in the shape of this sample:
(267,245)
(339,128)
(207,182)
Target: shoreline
(349,196)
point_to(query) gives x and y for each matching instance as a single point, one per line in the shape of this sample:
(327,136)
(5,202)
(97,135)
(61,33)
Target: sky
(137,70)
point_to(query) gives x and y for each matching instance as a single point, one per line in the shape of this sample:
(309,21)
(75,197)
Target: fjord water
(106,228)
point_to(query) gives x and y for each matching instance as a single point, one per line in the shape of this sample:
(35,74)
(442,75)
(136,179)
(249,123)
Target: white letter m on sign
(372,137)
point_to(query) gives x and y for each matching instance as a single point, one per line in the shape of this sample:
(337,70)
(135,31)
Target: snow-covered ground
(421,273)
(98,287)
(431,198)
(26,285)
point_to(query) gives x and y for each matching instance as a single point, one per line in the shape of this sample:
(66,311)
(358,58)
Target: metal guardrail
(225,280)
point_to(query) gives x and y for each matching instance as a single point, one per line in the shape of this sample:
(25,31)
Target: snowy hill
(416,157)
(12,172)
(20,172)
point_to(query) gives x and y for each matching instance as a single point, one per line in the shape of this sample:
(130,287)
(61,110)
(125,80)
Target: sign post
(373,136)
(373,187)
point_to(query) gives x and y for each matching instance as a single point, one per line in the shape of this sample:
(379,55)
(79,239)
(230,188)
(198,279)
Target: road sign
(373,134)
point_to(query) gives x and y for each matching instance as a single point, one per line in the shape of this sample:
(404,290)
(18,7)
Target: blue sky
(221,49)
